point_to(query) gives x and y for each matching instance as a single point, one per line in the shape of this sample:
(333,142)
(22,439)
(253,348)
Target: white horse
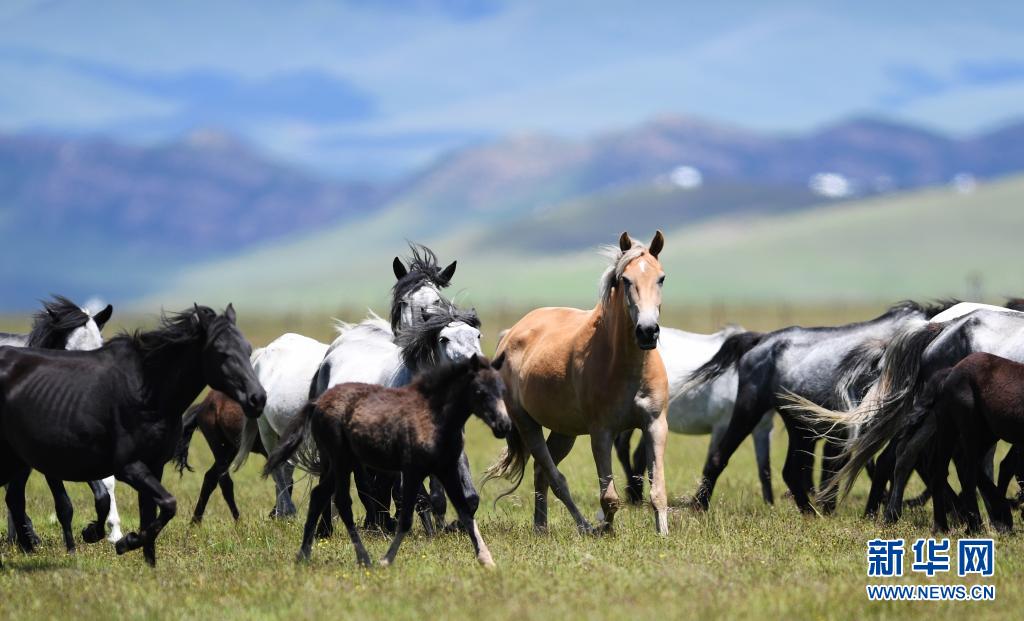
(64,325)
(286,367)
(701,410)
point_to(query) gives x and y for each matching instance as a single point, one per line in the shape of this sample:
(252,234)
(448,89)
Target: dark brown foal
(415,430)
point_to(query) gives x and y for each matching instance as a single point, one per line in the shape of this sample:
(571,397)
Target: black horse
(810,362)
(80,416)
(62,324)
(415,430)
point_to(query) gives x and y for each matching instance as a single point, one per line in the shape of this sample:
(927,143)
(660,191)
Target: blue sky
(362,88)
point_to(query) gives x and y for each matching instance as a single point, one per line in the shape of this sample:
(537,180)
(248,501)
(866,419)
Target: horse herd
(386,402)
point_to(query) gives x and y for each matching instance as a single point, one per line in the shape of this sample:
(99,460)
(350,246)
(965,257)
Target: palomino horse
(594,372)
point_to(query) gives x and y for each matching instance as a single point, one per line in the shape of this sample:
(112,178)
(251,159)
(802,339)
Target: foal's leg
(533,435)
(559,446)
(438,502)
(64,509)
(909,451)
(411,484)
(94,531)
(227,489)
(343,500)
(763,451)
(151,492)
(318,499)
(601,445)
(654,439)
(466,501)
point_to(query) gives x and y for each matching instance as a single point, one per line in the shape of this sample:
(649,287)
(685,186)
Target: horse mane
(431,380)
(423,268)
(928,310)
(417,341)
(174,329)
(1016,304)
(58,317)
(618,262)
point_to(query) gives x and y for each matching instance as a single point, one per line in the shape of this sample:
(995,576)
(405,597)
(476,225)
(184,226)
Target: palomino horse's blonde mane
(619,261)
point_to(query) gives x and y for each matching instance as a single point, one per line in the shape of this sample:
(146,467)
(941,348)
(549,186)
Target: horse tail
(728,355)
(295,444)
(881,415)
(250,431)
(511,463)
(188,427)
(857,371)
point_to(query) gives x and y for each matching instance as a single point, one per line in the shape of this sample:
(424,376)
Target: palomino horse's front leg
(601,445)
(654,437)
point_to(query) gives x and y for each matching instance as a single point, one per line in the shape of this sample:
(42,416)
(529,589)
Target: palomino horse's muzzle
(647,335)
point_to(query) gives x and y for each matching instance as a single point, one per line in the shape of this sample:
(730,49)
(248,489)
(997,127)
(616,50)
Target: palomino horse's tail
(728,355)
(295,444)
(882,414)
(511,464)
(188,427)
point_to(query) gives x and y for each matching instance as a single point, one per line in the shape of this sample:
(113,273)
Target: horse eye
(444,340)
(627,282)
(661,281)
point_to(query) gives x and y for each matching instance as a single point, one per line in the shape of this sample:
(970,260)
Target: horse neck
(451,411)
(615,331)
(173,377)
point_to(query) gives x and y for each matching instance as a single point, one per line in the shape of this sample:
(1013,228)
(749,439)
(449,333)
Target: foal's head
(225,357)
(637,274)
(418,286)
(63,325)
(486,394)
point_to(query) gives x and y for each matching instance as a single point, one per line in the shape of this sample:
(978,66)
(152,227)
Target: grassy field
(740,560)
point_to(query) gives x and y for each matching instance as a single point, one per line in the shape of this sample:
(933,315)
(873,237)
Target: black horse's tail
(188,427)
(511,463)
(296,444)
(728,355)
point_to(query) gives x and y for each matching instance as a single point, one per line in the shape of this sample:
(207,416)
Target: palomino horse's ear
(101,318)
(657,244)
(399,268)
(229,312)
(447,273)
(497,362)
(625,243)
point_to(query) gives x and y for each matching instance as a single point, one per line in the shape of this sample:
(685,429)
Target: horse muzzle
(647,336)
(253,403)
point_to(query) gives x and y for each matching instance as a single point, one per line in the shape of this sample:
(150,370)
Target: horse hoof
(121,547)
(93,533)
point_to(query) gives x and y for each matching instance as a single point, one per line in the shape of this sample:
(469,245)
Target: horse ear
(498,362)
(657,244)
(229,312)
(399,268)
(474,362)
(101,318)
(448,272)
(625,243)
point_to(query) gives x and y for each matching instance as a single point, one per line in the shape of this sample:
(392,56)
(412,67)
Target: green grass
(741,560)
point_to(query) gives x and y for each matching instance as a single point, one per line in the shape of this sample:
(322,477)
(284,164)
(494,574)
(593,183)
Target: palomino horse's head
(487,394)
(225,359)
(418,286)
(639,276)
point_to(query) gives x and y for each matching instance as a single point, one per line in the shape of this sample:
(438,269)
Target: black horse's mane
(928,310)
(423,268)
(418,342)
(51,325)
(174,329)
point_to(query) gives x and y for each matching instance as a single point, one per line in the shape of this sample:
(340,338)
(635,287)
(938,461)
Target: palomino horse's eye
(661,280)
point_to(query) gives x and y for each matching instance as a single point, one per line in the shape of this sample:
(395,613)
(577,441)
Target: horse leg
(799,461)
(655,436)
(945,439)
(64,509)
(425,510)
(325,525)
(439,501)
(15,499)
(921,499)
(466,476)
(94,531)
(559,446)
(412,481)
(343,500)
(146,482)
(532,435)
(466,501)
(209,484)
(831,462)
(763,452)
(884,466)
(12,528)
(1007,469)
(634,479)
(909,451)
(601,445)
(320,496)
(227,490)
(747,411)
(113,517)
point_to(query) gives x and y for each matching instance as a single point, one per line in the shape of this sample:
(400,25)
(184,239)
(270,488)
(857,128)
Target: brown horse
(594,372)
(220,418)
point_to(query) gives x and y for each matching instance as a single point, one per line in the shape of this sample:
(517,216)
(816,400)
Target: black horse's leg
(320,496)
(96,531)
(375,493)
(343,500)
(15,498)
(425,510)
(438,503)
(763,453)
(412,481)
(12,529)
(634,479)
(209,484)
(64,509)
(466,476)
(1007,469)
(909,451)
(325,525)
(938,466)
(799,462)
(750,407)
(921,499)
(831,463)
(466,501)
(880,477)
(146,482)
